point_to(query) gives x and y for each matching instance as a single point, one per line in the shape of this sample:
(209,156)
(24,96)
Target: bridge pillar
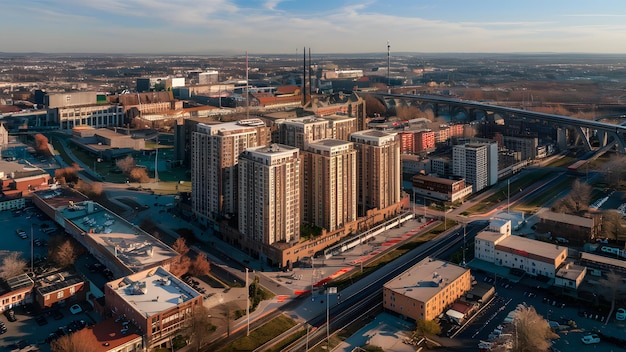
(618,139)
(561,138)
(584,136)
(603,139)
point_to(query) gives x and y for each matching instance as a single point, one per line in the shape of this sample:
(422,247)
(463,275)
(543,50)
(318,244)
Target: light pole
(328,292)
(247,304)
(156,160)
(464,230)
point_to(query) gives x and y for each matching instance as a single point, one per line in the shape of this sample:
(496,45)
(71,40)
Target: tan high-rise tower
(378,169)
(329,197)
(269,189)
(215,151)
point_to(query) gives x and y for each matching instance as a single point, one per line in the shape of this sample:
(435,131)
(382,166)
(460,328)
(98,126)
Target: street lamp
(328,292)
(464,231)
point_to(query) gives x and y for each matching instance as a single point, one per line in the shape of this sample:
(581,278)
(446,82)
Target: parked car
(10,314)
(75,309)
(590,339)
(57,315)
(620,314)
(41,320)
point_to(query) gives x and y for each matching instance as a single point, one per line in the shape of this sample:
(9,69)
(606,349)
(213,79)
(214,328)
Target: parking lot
(26,228)
(38,329)
(572,322)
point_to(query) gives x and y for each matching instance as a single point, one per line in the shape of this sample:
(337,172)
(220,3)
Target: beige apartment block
(329,184)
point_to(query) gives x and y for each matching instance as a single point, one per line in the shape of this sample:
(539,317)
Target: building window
(60,294)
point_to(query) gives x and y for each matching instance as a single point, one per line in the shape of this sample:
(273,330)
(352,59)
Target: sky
(325,26)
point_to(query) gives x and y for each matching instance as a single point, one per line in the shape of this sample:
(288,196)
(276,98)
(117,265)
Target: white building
(501,248)
(477,163)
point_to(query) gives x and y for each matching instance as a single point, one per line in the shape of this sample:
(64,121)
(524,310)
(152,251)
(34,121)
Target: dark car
(10,314)
(41,320)
(57,315)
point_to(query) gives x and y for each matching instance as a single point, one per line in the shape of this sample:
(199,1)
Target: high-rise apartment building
(477,163)
(215,151)
(269,189)
(378,169)
(329,184)
(300,131)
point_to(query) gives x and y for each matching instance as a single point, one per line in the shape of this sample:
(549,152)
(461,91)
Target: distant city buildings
(69,110)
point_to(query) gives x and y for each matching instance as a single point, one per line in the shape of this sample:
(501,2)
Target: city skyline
(284,27)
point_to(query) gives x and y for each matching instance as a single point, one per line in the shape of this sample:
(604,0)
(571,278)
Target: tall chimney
(304,77)
(310,81)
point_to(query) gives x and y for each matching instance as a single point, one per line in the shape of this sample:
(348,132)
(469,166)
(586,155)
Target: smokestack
(310,81)
(304,78)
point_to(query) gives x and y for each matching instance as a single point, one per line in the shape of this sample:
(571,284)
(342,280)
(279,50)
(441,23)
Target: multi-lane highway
(367,293)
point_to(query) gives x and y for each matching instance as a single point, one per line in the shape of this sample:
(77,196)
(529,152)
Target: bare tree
(575,201)
(180,246)
(532,331)
(71,343)
(580,195)
(613,287)
(41,144)
(126,164)
(138,174)
(612,225)
(182,265)
(67,174)
(201,265)
(12,265)
(374,106)
(200,327)
(64,254)
(91,190)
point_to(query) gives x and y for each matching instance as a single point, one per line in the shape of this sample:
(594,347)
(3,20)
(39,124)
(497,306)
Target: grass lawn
(261,335)
(537,202)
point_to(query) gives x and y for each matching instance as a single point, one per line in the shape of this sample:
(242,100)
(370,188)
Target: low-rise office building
(573,228)
(158,303)
(570,276)
(15,291)
(425,290)
(536,258)
(440,188)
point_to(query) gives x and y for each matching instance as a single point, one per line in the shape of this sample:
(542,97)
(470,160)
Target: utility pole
(156,160)
(247,304)
(464,232)
(508,197)
(388,67)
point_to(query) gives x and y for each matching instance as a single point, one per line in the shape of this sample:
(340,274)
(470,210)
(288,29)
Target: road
(367,292)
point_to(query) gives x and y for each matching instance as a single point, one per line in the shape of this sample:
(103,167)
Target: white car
(75,309)
(620,314)
(590,339)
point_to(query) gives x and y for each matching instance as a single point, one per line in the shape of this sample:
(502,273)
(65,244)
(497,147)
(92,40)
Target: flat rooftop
(489,235)
(538,248)
(425,279)
(153,291)
(133,247)
(106,336)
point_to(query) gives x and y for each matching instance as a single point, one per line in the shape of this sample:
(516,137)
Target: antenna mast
(388,67)
(247,89)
